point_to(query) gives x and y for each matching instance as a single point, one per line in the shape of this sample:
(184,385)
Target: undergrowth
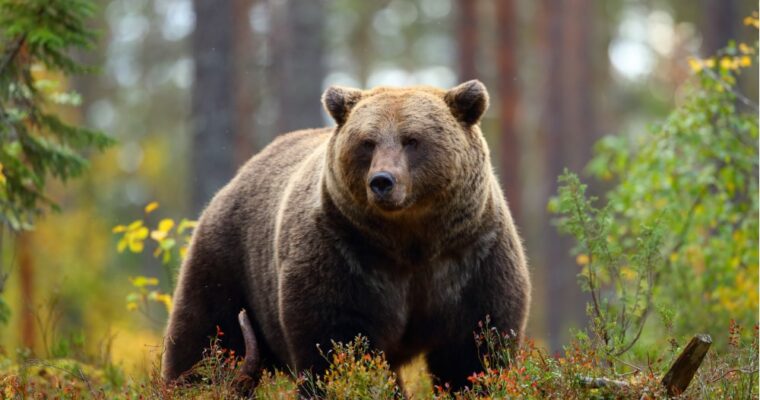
(356,371)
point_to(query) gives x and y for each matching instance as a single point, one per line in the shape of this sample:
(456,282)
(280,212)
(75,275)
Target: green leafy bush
(678,230)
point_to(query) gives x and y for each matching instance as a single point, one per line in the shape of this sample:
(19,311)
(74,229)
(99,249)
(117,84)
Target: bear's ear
(339,101)
(468,101)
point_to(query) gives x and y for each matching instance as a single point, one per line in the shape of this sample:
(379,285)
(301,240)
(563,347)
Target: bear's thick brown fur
(316,247)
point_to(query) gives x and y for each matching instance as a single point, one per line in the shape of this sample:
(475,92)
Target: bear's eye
(410,143)
(368,144)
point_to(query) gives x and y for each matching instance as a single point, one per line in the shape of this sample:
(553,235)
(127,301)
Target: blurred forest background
(191,88)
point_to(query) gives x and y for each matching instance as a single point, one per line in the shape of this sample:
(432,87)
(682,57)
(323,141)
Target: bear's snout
(387,181)
(382,184)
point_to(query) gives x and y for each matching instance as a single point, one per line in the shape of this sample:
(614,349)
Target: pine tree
(36,40)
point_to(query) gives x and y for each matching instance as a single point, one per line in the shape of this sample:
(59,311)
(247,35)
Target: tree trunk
(299,65)
(24,247)
(567,129)
(508,93)
(244,64)
(720,20)
(213,96)
(467,39)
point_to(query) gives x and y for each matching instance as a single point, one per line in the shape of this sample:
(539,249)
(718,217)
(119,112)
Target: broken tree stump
(678,377)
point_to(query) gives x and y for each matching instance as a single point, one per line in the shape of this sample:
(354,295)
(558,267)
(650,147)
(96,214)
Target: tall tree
(567,128)
(298,64)
(244,65)
(467,39)
(720,20)
(36,41)
(213,109)
(508,94)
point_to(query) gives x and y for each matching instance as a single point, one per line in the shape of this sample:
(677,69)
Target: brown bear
(391,224)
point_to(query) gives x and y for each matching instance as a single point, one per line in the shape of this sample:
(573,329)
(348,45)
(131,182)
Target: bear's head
(402,151)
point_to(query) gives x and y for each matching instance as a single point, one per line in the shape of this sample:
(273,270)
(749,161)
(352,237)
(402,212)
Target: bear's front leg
(499,292)
(454,362)
(311,326)
(309,336)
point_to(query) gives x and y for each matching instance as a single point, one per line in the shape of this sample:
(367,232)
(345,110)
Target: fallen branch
(598,383)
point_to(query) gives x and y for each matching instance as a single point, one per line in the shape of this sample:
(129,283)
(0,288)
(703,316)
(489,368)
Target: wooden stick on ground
(679,375)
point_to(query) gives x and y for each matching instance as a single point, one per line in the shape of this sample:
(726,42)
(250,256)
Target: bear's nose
(381,183)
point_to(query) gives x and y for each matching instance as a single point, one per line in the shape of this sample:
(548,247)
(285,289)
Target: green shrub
(678,230)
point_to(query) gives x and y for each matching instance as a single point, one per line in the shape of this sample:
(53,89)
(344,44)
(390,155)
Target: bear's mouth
(387,205)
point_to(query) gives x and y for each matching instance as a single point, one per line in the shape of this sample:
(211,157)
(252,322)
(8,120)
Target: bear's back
(254,195)
(260,183)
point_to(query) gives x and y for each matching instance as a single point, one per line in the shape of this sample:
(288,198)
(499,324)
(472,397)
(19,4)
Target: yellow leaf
(627,273)
(119,229)
(142,281)
(745,61)
(582,259)
(158,235)
(122,245)
(752,21)
(140,233)
(182,251)
(745,49)
(134,225)
(726,63)
(710,62)
(2,175)
(165,225)
(136,246)
(186,224)
(131,306)
(152,206)
(695,64)
(162,298)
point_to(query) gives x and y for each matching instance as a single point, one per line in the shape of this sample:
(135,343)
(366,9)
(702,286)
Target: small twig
(742,370)
(749,103)
(12,54)
(635,367)
(638,333)
(76,373)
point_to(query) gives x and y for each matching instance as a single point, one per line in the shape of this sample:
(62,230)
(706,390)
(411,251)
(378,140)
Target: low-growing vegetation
(358,372)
